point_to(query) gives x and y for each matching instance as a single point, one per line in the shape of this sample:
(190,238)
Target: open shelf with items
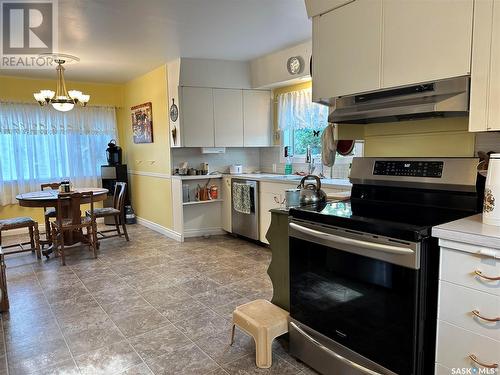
(192,217)
(201,202)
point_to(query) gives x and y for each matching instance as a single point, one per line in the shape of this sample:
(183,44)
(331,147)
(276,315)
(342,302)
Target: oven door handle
(351,241)
(346,361)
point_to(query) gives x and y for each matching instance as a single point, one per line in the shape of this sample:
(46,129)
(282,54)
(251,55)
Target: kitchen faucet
(309,161)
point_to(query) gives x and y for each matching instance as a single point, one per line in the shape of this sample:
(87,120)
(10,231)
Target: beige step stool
(264,322)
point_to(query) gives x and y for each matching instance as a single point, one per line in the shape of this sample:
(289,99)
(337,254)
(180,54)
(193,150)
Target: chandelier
(62,99)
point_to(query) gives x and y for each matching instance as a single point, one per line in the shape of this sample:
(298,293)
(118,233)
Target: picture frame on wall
(142,123)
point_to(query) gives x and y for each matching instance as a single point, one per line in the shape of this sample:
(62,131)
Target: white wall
(215,73)
(270,70)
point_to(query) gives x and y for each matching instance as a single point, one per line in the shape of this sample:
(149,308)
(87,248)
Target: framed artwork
(142,123)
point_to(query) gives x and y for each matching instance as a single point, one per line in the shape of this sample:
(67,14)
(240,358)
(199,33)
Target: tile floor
(149,306)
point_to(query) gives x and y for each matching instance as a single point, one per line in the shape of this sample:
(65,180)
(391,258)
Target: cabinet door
(197,117)
(425,40)
(494,84)
(481,60)
(228,117)
(257,122)
(267,201)
(226,204)
(346,50)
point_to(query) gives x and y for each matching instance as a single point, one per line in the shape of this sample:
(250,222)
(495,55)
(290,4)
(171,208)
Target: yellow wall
(21,90)
(433,137)
(151,195)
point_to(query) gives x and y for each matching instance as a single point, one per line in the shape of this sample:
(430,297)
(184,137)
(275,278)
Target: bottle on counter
(491,209)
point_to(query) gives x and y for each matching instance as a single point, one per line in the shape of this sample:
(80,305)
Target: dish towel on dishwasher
(241,198)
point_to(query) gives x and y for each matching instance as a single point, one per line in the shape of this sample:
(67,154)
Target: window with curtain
(301,122)
(39,145)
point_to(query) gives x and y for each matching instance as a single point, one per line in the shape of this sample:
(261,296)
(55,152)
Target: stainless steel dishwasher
(245,223)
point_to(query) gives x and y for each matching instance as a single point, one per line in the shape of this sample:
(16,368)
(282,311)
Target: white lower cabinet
(460,268)
(458,304)
(271,195)
(226,204)
(456,344)
(468,333)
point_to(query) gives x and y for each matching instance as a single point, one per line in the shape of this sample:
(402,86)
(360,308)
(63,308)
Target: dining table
(48,198)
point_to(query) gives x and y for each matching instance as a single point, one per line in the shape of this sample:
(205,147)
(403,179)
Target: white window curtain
(39,145)
(296,110)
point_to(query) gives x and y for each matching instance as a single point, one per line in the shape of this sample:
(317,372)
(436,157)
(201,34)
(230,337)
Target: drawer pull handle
(480,274)
(476,313)
(474,359)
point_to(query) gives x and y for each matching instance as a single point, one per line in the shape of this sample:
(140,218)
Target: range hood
(445,98)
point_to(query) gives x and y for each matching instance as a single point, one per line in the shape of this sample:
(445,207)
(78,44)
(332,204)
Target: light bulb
(39,97)
(63,107)
(47,94)
(84,98)
(75,94)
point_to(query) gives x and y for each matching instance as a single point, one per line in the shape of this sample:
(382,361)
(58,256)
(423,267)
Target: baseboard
(160,229)
(203,232)
(41,228)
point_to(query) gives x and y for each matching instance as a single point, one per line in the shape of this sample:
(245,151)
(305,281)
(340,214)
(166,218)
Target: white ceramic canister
(491,206)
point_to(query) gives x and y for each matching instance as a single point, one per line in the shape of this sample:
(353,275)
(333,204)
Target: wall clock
(295,65)
(174,111)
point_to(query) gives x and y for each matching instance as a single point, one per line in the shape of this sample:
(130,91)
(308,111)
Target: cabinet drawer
(456,304)
(441,370)
(459,267)
(456,344)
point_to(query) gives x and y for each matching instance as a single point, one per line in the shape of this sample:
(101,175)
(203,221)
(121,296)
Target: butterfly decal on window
(316,133)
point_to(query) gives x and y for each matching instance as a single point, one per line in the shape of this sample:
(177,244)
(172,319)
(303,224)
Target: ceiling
(118,40)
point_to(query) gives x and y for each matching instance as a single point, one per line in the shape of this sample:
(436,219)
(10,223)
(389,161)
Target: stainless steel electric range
(364,272)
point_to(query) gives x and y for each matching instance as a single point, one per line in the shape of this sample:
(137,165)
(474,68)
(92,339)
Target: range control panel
(408,168)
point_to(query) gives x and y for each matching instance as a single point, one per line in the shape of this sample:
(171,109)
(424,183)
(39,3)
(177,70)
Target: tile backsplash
(248,157)
(264,159)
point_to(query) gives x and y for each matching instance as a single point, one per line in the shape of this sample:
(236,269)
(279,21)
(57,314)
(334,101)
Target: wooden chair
(4,296)
(117,212)
(22,222)
(72,224)
(49,212)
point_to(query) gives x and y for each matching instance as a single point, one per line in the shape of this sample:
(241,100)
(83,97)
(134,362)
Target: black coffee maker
(114,153)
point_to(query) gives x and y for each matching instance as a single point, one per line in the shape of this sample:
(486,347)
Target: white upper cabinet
(257,123)
(228,117)
(425,40)
(225,117)
(366,45)
(485,76)
(197,117)
(346,49)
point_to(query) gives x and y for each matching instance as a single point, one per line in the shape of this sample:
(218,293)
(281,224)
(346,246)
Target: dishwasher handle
(399,250)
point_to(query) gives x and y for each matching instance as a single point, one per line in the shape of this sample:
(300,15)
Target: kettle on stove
(311,193)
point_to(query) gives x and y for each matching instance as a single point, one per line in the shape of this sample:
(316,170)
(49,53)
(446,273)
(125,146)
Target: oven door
(359,290)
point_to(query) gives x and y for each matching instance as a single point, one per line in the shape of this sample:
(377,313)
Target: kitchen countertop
(469,230)
(197,177)
(334,183)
